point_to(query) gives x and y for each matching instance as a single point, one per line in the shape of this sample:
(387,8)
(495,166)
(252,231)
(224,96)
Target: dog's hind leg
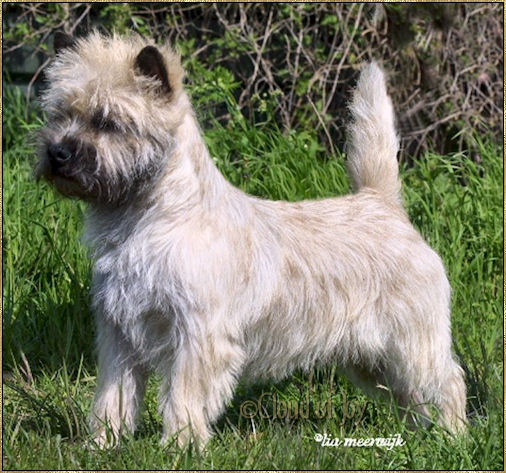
(378,385)
(432,378)
(419,372)
(451,400)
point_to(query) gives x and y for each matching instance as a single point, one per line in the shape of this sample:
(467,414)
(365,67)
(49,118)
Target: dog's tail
(372,140)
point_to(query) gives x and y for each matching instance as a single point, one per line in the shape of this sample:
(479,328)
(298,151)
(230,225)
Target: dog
(203,284)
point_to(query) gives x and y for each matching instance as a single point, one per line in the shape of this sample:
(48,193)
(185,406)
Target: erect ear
(150,63)
(62,41)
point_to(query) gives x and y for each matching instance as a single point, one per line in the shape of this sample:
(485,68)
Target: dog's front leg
(121,385)
(200,383)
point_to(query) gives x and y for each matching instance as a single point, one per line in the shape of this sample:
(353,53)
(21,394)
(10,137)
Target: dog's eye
(102,123)
(109,125)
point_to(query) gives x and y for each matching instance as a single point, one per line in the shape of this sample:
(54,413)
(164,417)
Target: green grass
(48,360)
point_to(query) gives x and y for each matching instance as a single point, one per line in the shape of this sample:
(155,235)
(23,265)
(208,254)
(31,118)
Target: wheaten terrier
(203,284)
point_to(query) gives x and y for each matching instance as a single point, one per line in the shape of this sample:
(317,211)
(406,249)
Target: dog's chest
(128,285)
(141,301)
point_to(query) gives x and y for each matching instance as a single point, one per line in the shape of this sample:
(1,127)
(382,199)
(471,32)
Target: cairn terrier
(203,284)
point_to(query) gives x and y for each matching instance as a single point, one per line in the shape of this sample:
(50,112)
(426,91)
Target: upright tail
(372,140)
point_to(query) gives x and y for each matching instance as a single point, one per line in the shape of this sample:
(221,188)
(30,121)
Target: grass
(48,361)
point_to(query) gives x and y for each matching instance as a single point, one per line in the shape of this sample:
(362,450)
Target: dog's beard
(86,177)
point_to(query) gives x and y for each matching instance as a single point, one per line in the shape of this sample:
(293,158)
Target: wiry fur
(204,284)
(373,143)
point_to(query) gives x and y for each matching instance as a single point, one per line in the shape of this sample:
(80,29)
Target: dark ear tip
(149,51)
(147,59)
(150,63)
(62,41)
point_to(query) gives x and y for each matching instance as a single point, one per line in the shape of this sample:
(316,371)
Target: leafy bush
(445,60)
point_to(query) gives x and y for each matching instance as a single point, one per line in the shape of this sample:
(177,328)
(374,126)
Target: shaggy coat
(204,284)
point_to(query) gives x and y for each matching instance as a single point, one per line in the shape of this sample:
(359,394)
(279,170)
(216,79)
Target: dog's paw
(104,439)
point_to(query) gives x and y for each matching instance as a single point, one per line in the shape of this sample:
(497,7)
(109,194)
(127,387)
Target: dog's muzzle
(70,157)
(59,154)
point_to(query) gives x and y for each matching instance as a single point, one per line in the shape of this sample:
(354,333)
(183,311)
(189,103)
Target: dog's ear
(150,63)
(62,41)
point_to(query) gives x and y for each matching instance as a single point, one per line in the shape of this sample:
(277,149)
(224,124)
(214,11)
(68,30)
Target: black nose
(58,154)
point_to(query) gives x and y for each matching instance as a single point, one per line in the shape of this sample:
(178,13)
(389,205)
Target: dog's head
(112,107)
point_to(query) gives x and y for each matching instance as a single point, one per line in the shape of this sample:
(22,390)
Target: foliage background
(445,60)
